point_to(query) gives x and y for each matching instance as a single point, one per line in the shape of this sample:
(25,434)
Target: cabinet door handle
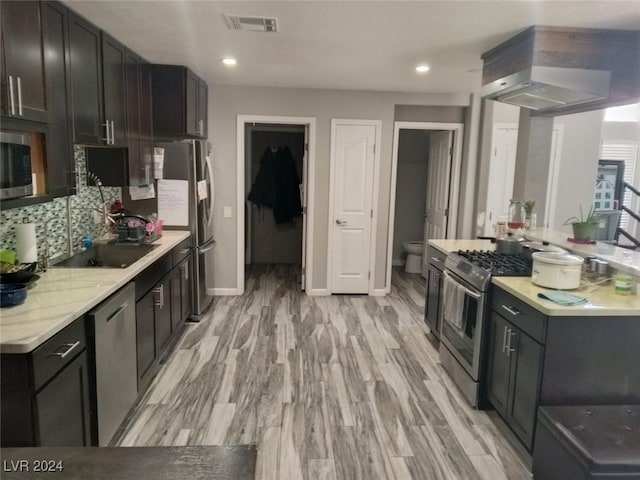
(106,126)
(436,260)
(200,127)
(504,340)
(160,291)
(11,97)
(512,310)
(509,349)
(19,83)
(185,271)
(113,133)
(117,312)
(70,347)
(436,280)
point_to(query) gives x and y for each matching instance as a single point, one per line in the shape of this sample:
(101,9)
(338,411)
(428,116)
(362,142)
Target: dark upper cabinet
(113,84)
(55,38)
(98,85)
(180,100)
(23,75)
(139,123)
(86,82)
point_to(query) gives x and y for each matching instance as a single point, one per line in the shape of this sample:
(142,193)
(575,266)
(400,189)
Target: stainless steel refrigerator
(188,160)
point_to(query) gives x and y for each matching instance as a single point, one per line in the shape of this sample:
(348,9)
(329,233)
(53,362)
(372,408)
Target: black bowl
(12,294)
(21,276)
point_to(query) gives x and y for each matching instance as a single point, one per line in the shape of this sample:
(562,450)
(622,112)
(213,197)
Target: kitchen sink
(107,255)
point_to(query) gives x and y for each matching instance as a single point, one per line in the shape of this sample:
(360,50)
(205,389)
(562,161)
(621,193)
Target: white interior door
(501,173)
(438,185)
(303,202)
(353,148)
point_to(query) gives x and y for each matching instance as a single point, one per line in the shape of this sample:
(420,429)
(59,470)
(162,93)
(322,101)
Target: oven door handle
(475,295)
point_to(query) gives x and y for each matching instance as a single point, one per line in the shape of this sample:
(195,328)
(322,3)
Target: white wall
(226,102)
(578,165)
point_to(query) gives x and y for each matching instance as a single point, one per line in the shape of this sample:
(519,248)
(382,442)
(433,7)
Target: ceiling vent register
(251,24)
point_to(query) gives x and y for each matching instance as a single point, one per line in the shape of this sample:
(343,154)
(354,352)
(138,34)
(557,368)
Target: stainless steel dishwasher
(113,349)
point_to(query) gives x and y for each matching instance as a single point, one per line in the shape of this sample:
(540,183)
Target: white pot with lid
(556,270)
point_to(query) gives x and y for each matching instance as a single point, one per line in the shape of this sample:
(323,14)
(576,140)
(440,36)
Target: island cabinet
(23,74)
(45,393)
(433,304)
(180,100)
(536,359)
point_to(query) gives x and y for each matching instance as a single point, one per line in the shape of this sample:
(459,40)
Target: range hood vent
(549,88)
(252,24)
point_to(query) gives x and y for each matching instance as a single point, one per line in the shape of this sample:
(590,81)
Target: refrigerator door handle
(207,246)
(213,189)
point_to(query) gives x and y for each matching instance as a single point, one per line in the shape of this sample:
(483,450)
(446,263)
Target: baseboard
(397,263)
(222,291)
(318,292)
(378,292)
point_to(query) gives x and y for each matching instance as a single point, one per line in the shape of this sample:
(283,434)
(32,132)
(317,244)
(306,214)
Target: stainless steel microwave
(15,165)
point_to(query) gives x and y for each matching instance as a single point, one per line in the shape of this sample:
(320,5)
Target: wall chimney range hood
(559,70)
(549,88)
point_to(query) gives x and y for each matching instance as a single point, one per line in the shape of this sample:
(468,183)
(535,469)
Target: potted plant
(584,227)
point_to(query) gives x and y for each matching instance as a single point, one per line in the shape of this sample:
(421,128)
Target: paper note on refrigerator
(141,193)
(158,162)
(202,190)
(173,202)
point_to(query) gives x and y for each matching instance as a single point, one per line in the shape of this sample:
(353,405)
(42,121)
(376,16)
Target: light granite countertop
(61,295)
(446,245)
(603,301)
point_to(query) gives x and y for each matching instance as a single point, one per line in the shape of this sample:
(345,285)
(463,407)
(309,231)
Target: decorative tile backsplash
(55,213)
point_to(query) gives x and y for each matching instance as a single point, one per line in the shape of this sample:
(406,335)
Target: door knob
(340,222)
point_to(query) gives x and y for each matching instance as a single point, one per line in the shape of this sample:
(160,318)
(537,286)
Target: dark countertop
(130,463)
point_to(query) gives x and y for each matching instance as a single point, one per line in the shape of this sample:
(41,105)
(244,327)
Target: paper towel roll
(26,245)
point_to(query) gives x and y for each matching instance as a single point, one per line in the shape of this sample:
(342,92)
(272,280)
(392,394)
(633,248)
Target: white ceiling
(355,45)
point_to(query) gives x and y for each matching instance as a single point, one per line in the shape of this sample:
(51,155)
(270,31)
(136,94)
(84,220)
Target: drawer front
(524,316)
(152,275)
(58,351)
(181,251)
(436,257)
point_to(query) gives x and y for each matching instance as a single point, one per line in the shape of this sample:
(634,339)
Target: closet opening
(275,172)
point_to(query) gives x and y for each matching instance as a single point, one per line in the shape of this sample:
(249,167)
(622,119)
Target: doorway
(273,234)
(425,179)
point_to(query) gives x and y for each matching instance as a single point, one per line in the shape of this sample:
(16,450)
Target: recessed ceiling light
(422,68)
(229,61)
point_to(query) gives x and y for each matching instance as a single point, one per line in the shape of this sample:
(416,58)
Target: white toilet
(413,264)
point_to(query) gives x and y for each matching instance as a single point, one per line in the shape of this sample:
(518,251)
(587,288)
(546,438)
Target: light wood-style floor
(339,387)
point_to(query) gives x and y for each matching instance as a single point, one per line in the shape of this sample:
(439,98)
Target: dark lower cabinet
(433,303)
(181,293)
(514,376)
(63,409)
(44,399)
(153,329)
(145,338)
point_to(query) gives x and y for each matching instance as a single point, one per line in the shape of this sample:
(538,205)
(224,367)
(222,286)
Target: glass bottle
(516,214)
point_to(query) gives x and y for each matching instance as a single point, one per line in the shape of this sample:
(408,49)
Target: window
(626,151)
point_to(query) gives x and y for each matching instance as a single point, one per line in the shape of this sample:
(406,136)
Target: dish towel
(563,298)
(453,295)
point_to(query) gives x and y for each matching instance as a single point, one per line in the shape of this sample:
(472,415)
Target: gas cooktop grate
(498,264)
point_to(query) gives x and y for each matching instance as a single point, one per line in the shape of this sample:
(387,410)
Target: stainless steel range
(467,287)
